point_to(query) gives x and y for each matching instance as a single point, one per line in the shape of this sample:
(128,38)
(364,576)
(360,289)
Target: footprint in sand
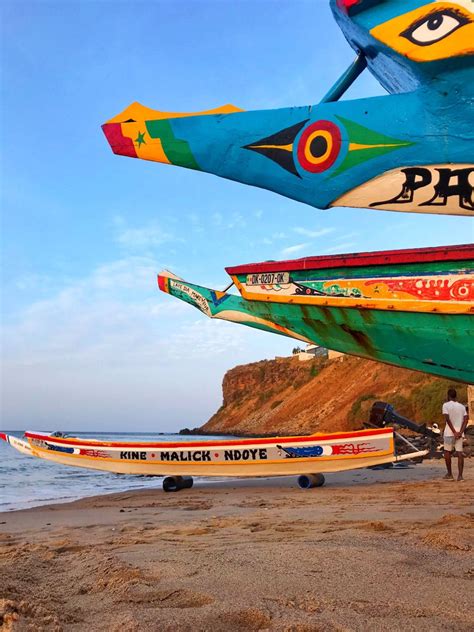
(374,525)
(198,506)
(175,599)
(250,619)
(67,547)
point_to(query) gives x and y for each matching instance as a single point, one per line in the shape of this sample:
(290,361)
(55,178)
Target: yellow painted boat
(308,456)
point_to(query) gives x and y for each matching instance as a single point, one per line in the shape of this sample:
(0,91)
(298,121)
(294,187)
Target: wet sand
(372,550)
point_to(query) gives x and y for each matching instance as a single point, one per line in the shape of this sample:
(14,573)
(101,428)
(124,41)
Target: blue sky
(88,341)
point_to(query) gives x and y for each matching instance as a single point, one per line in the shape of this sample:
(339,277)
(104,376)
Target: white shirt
(456,412)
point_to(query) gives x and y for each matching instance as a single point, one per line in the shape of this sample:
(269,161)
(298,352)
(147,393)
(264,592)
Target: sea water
(27,481)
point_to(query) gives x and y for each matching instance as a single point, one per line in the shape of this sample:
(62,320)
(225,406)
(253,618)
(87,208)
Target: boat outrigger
(305,456)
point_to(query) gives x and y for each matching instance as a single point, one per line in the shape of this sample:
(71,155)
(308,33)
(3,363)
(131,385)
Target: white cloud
(292,249)
(34,281)
(236,220)
(141,238)
(112,309)
(205,338)
(349,236)
(111,351)
(339,248)
(313,233)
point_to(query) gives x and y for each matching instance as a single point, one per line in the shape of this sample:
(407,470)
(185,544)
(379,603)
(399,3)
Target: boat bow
(410,150)
(224,306)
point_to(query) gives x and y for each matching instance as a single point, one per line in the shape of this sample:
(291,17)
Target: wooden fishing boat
(410,308)
(409,150)
(275,456)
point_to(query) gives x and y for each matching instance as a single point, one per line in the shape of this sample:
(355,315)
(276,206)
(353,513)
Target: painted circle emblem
(319,146)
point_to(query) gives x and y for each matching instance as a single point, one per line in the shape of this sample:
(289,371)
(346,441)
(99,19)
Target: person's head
(452,393)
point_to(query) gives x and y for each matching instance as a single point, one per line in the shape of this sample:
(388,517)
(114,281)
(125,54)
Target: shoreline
(370,550)
(335,478)
(349,478)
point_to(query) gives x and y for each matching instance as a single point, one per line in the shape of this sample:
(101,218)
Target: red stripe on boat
(3,436)
(163,283)
(193,444)
(345,5)
(119,143)
(352,260)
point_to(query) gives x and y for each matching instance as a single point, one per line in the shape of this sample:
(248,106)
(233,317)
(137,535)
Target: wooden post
(470,403)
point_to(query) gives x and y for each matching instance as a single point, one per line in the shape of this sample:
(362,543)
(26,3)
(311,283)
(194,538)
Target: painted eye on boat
(319,146)
(435,27)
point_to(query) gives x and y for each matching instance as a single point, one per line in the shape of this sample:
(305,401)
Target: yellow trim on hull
(442,307)
(140,113)
(286,467)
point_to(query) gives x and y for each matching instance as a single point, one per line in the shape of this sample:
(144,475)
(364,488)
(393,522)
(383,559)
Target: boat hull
(413,309)
(277,456)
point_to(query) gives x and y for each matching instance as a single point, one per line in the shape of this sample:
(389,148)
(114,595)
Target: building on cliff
(310,352)
(335,354)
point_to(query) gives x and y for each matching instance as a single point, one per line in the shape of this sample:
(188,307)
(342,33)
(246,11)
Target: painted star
(140,139)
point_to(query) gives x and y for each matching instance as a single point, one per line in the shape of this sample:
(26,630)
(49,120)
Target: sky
(88,341)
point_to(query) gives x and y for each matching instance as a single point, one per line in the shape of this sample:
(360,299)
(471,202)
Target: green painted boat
(409,308)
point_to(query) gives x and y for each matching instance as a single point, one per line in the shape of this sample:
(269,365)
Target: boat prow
(224,306)
(19,444)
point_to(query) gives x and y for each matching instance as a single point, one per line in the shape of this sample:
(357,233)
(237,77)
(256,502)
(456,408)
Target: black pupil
(435,22)
(318,147)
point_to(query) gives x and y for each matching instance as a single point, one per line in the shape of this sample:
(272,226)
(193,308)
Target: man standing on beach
(455,416)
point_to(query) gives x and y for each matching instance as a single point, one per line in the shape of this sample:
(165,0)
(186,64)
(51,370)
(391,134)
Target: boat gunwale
(183,445)
(376,258)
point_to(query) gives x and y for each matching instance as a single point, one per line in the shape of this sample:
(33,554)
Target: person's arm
(448,422)
(463,427)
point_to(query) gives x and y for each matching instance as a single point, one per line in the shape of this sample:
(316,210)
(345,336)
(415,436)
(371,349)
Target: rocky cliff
(286,396)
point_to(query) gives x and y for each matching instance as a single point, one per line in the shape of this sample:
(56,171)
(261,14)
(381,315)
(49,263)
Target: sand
(383,550)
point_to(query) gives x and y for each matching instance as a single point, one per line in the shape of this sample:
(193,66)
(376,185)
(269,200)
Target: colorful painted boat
(410,150)
(277,456)
(410,308)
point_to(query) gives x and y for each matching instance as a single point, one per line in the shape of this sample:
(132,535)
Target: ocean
(29,482)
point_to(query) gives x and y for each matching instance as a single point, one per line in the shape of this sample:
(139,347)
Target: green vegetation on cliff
(286,396)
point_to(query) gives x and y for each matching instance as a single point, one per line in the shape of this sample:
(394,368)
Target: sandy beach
(372,550)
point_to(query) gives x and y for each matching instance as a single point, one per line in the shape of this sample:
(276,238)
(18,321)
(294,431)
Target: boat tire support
(307,481)
(176,483)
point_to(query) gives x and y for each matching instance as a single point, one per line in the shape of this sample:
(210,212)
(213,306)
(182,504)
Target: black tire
(187,482)
(320,480)
(307,481)
(172,483)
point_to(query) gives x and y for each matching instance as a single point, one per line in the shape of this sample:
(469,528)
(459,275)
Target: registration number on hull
(268,278)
